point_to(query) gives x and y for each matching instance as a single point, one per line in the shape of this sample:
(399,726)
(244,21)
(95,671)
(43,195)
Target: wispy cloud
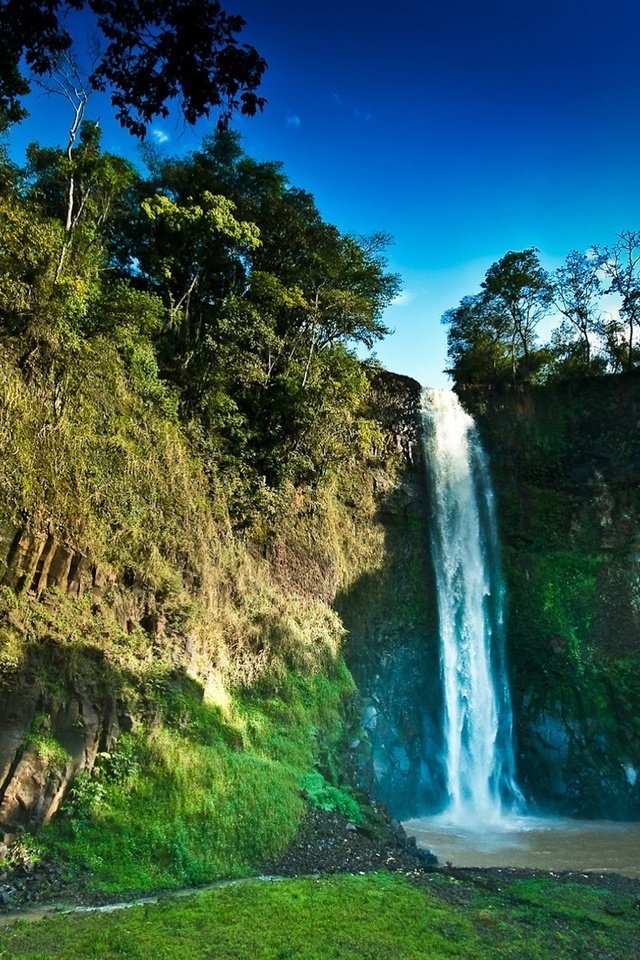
(159,135)
(358,114)
(404,297)
(292,120)
(362,115)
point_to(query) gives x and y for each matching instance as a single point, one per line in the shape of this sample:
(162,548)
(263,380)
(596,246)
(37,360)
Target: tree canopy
(493,334)
(228,297)
(155,52)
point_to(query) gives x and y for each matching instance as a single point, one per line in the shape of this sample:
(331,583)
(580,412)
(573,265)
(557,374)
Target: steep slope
(175,686)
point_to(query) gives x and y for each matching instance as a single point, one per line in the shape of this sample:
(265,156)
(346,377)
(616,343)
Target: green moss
(210,793)
(348,918)
(328,797)
(50,751)
(566,463)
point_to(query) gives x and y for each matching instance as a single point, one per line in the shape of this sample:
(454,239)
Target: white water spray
(470,593)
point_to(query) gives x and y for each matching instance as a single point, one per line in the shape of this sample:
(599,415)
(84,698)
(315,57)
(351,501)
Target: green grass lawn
(373,917)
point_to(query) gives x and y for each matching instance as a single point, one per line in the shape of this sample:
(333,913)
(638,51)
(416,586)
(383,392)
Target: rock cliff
(566,465)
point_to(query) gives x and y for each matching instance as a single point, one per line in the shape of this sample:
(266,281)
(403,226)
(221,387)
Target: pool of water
(599,846)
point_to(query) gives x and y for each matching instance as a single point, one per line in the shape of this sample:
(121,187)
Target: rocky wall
(566,465)
(57,710)
(389,613)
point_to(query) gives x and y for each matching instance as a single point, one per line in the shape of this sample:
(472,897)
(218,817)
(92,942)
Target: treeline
(493,334)
(234,307)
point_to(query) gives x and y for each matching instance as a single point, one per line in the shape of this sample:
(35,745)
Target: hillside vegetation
(186,438)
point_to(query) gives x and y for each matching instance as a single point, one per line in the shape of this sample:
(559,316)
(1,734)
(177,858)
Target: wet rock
(427,856)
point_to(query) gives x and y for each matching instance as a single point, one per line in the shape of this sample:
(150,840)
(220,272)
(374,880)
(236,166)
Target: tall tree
(157,51)
(265,302)
(477,341)
(621,265)
(577,296)
(492,335)
(522,291)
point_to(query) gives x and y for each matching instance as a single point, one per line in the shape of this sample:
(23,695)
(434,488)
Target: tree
(492,335)
(185,244)
(477,341)
(621,265)
(156,51)
(265,302)
(521,290)
(80,187)
(577,295)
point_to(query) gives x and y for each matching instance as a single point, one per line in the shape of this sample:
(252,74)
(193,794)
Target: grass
(212,791)
(372,917)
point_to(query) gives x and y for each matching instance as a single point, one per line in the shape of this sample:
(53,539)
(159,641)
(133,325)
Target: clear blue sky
(464,129)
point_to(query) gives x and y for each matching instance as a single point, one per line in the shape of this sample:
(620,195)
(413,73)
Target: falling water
(470,593)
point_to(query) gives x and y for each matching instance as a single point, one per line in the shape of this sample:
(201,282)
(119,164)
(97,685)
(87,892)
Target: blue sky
(463,129)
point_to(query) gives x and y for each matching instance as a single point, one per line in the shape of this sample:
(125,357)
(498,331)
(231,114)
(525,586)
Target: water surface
(598,846)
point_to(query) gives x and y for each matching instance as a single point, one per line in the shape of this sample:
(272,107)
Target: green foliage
(180,392)
(29,248)
(475,340)
(50,751)
(351,918)
(565,465)
(26,851)
(577,293)
(564,587)
(492,335)
(621,266)
(129,488)
(325,796)
(212,791)
(212,293)
(151,57)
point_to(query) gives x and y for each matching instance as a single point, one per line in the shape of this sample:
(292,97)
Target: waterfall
(477,734)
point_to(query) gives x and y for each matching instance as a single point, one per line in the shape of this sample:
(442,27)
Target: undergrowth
(212,790)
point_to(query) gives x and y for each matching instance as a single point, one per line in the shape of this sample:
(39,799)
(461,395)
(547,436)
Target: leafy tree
(9,172)
(156,51)
(224,298)
(492,334)
(178,257)
(621,265)
(29,245)
(86,189)
(44,318)
(522,292)
(577,296)
(477,341)
(257,307)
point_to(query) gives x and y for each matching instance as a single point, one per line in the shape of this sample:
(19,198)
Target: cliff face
(390,617)
(566,465)
(33,781)
(239,661)
(60,703)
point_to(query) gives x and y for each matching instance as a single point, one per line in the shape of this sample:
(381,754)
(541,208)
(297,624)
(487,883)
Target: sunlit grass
(377,917)
(209,794)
